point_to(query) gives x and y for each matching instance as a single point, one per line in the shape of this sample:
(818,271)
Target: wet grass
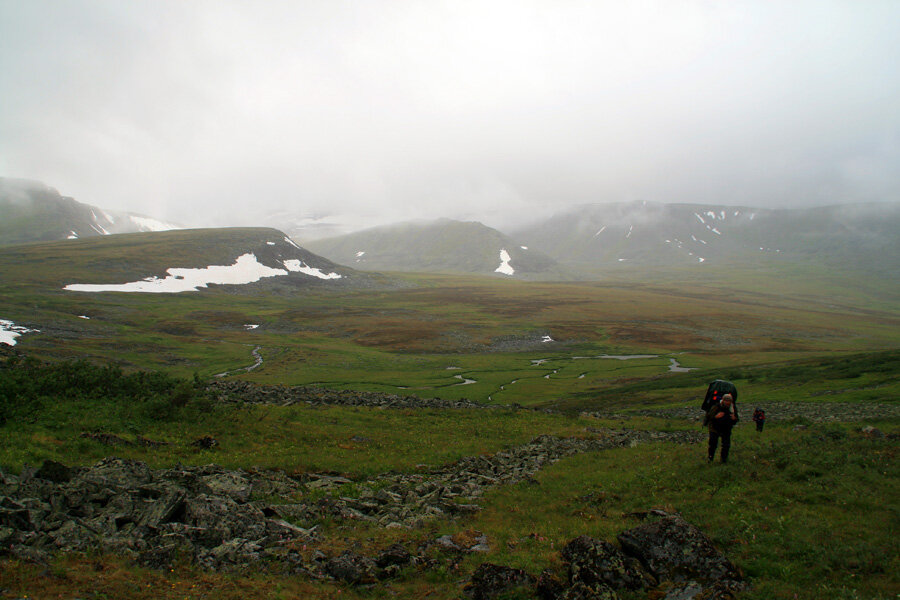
(780,334)
(782,495)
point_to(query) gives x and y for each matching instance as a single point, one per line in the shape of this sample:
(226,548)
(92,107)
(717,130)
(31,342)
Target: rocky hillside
(33,212)
(442,245)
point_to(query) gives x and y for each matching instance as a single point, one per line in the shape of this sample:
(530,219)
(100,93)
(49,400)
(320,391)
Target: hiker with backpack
(759,417)
(720,419)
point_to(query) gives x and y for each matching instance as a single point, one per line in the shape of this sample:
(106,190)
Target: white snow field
(246,269)
(505,267)
(9,331)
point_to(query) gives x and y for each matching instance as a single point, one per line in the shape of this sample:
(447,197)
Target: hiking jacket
(724,423)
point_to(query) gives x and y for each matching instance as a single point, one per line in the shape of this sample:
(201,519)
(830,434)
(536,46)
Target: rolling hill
(444,245)
(33,212)
(168,261)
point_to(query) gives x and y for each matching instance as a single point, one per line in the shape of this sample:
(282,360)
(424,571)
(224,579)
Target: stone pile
(221,517)
(408,499)
(669,558)
(123,507)
(243,392)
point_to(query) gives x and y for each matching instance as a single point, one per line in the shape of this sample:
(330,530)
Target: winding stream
(256,355)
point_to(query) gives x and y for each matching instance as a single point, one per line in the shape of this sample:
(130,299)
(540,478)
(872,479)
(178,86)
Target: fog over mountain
(353,114)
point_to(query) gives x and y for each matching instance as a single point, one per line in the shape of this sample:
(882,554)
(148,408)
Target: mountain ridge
(649,234)
(580,242)
(35,212)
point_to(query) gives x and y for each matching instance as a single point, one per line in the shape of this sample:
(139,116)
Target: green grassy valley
(586,360)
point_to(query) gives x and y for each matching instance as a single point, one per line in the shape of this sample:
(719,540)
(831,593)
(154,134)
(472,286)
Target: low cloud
(219,112)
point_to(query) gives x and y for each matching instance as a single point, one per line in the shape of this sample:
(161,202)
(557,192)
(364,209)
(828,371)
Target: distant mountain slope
(33,212)
(168,261)
(863,236)
(442,245)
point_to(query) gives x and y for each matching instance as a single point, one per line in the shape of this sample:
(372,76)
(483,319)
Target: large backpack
(716,390)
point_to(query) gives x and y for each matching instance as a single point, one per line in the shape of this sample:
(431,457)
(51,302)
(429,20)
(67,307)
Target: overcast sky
(218,112)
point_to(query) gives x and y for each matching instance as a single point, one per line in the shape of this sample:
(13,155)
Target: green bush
(29,387)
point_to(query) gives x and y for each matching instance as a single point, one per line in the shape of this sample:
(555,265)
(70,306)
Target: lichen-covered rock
(162,510)
(580,591)
(674,550)
(351,568)
(233,552)
(490,580)
(118,472)
(233,484)
(593,562)
(392,560)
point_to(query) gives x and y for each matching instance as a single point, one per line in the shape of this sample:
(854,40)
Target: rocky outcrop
(670,558)
(490,580)
(222,518)
(408,499)
(675,551)
(124,507)
(243,392)
(597,564)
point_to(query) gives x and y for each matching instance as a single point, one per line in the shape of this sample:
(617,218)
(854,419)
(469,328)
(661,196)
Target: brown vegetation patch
(221,317)
(397,334)
(654,334)
(173,327)
(490,301)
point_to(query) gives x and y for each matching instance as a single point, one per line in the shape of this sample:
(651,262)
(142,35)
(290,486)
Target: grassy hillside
(819,349)
(444,245)
(784,491)
(125,257)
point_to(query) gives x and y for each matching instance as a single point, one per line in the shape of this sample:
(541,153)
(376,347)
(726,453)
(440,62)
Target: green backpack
(716,390)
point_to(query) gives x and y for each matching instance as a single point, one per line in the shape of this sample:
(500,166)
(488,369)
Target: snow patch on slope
(148,224)
(297,266)
(505,267)
(9,331)
(246,269)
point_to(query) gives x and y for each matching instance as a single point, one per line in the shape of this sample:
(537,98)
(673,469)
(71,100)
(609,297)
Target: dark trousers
(714,442)
(759,425)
